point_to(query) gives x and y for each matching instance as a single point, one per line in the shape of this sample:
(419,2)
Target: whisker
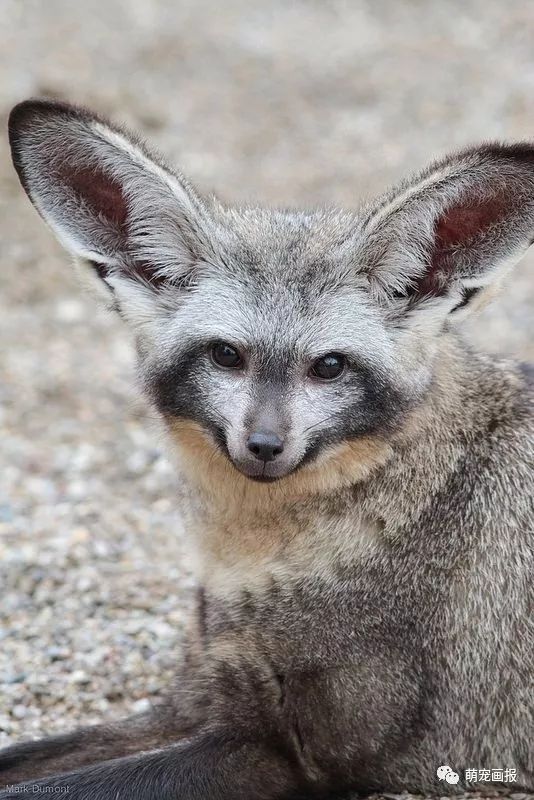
(321,422)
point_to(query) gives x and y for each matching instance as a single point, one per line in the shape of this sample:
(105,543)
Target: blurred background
(281,102)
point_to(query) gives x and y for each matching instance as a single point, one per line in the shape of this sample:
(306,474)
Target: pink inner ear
(103,195)
(460,225)
(457,228)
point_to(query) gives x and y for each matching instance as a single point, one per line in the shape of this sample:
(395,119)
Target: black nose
(265,445)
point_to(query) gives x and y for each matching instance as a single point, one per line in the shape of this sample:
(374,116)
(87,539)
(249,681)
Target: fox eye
(224,355)
(328,367)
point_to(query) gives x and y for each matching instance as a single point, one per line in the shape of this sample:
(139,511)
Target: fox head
(276,338)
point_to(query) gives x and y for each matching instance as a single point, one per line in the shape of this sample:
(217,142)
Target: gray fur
(367,616)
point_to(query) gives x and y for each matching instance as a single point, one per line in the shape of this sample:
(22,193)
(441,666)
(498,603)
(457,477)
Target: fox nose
(265,445)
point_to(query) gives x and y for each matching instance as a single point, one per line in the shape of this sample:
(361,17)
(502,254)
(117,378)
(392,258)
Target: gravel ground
(302,102)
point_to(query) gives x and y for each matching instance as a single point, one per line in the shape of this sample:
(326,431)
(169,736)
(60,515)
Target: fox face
(279,337)
(278,352)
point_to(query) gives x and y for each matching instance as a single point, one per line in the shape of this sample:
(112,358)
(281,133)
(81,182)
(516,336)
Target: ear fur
(431,245)
(439,239)
(106,197)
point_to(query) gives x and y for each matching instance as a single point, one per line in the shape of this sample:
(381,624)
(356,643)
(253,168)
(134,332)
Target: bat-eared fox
(359,482)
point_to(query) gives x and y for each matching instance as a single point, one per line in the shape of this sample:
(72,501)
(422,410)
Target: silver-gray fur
(366,589)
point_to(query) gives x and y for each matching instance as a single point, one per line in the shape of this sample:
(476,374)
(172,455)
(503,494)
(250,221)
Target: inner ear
(455,232)
(102,195)
(105,198)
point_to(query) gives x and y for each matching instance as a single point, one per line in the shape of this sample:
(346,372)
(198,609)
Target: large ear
(105,197)
(437,241)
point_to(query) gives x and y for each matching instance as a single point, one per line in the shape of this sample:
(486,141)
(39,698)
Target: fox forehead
(248,313)
(287,279)
(272,238)
(308,251)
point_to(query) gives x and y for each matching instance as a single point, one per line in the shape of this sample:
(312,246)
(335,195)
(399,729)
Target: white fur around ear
(439,241)
(107,199)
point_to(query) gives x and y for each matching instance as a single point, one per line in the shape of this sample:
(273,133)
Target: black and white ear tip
(26,115)
(25,121)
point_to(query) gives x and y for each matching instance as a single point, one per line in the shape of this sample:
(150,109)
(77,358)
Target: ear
(440,239)
(105,197)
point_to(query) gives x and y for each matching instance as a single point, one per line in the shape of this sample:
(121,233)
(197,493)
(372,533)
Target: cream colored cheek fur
(245,532)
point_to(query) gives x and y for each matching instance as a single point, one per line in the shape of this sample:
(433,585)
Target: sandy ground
(286,103)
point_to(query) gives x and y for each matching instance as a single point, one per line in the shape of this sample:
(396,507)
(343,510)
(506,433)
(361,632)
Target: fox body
(358,482)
